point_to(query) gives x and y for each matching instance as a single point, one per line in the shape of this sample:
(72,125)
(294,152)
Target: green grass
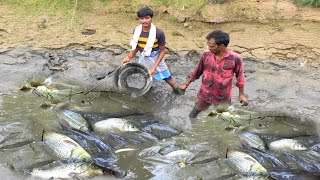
(313,3)
(35,7)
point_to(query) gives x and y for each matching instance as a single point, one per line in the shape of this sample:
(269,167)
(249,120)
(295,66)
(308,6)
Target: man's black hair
(220,37)
(145,11)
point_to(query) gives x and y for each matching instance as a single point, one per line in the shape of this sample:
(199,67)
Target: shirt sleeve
(161,38)
(239,72)
(197,72)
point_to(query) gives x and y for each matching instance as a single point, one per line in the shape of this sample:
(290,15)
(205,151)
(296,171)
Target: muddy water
(208,139)
(284,101)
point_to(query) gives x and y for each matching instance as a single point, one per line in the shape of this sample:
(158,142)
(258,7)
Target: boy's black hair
(220,37)
(145,11)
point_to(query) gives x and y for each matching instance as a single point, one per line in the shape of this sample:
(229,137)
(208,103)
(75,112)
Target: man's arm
(242,98)
(195,74)
(239,72)
(129,56)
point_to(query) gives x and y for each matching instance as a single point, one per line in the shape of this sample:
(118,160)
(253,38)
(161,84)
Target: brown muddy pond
(23,119)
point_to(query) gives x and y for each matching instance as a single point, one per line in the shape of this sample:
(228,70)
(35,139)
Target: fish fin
(245,144)
(64,124)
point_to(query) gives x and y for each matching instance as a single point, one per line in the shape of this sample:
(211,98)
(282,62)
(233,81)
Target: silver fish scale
(112,122)
(253,140)
(61,145)
(66,171)
(161,131)
(242,162)
(75,120)
(284,144)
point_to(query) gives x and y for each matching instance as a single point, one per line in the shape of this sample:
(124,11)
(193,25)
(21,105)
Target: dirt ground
(258,29)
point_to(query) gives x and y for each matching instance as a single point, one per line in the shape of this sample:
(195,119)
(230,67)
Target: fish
(11,126)
(308,165)
(67,171)
(16,145)
(117,124)
(161,131)
(65,148)
(246,164)
(9,137)
(267,157)
(252,140)
(98,116)
(147,136)
(168,149)
(293,174)
(125,150)
(179,154)
(74,120)
(254,178)
(99,143)
(104,159)
(119,142)
(287,145)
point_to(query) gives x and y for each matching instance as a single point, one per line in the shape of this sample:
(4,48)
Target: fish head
(299,146)
(258,169)
(80,155)
(131,127)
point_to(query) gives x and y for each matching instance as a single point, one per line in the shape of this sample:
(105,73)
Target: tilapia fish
(181,155)
(67,171)
(245,163)
(74,120)
(252,140)
(117,124)
(161,131)
(287,145)
(65,148)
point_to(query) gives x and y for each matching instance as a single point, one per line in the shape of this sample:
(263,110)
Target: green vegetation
(313,3)
(68,7)
(65,7)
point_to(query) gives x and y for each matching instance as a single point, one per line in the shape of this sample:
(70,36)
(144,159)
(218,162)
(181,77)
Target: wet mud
(285,93)
(289,87)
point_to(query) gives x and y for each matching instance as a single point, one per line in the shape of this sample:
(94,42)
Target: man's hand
(184,86)
(152,71)
(243,100)
(125,60)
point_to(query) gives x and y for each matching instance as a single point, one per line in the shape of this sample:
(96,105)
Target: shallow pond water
(23,118)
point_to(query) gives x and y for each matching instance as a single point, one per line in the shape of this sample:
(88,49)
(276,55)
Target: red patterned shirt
(217,75)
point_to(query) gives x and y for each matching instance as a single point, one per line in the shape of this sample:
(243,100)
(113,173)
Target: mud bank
(289,87)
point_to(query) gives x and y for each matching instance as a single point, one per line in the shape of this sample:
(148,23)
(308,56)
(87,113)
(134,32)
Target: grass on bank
(70,9)
(67,7)
(312,3)
(51,7)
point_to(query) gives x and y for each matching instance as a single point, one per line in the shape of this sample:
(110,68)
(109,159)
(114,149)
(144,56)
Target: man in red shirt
(217,66)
